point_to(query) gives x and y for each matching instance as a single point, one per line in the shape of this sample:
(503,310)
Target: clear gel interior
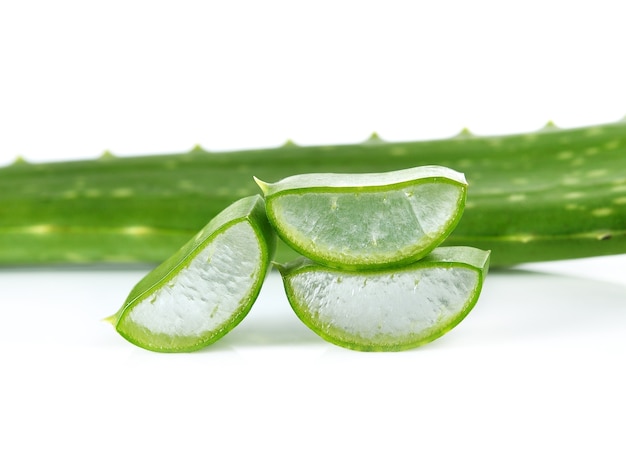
(393,305)
(209,290)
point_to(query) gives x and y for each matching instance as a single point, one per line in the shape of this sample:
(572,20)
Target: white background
(533,375)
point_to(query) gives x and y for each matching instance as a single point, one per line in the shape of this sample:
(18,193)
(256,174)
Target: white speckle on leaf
(597,173)
(122,192)
(398,151)
(601,212)
(570,181)
(39,229)
(138,230)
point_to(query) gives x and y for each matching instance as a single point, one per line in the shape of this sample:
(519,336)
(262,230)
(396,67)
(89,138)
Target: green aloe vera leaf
(547,195)
(206,288)
(370,220)
(387,310)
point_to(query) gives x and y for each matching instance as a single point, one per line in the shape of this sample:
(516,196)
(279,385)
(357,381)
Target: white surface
(144,76)
(533,375)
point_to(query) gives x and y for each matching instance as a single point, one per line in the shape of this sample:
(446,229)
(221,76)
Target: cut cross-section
(387,310)
(206,288)
(373,220)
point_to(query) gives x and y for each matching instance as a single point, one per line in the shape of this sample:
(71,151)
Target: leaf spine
(374,138)
(550,126)
(198,149)
(20,160)
(106,155)
(464,134)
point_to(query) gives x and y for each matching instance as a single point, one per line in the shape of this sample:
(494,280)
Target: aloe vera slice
(206,288)
(387,310)
(372,220)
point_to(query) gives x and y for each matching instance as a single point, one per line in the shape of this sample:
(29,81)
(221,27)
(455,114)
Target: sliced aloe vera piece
(387,310)
(206,288)
(374,220)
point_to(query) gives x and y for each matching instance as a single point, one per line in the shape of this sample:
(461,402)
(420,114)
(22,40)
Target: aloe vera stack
(371,276)
(546,195)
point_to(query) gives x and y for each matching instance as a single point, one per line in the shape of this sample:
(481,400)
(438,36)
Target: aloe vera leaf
(547,195)
(387,310)
(366,220)
(205,288)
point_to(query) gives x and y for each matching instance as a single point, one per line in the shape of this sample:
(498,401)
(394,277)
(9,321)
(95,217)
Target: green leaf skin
(387,310)
(547,195)
(250,210)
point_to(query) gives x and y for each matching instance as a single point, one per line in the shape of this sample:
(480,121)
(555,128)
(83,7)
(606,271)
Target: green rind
(249,209)
(540,196)
(346,182)
(467,257)
(349,183)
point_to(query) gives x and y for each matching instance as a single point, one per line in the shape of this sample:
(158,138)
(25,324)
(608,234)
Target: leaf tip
(112,319)
(289,143)
(280,267)
(264,186)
